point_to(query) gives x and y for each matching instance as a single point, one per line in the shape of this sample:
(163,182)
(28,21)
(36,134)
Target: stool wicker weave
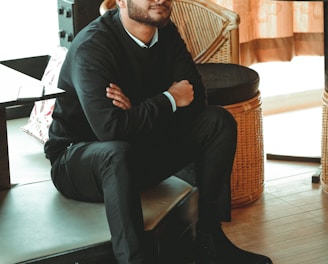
(248,170)
(211,35)
(324,143)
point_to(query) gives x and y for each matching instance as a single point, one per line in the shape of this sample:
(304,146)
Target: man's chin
(161,22)
(158,24)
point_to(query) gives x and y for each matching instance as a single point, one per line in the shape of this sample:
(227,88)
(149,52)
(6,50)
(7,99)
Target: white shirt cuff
(171,98)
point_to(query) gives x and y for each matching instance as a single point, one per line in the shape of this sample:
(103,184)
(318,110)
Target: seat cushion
(37,221)
(158,201)
(228,83)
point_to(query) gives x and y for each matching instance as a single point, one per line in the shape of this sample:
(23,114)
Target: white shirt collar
(140,43)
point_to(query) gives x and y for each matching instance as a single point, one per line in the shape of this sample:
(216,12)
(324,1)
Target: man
(153,122)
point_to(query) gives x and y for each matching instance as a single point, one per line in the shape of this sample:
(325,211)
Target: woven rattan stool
(324,143)
(236,88)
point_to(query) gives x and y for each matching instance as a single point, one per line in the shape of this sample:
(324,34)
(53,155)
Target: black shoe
(218,249)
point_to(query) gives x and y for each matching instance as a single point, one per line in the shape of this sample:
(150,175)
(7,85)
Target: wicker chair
(211,35)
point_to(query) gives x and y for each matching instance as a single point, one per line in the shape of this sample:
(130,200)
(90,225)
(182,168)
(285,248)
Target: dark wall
(73,15)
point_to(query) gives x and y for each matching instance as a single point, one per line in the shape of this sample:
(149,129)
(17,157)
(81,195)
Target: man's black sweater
(104,53)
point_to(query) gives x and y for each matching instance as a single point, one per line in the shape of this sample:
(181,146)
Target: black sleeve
(91,74)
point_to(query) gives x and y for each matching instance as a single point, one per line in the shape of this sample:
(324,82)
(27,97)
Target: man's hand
(119,99)
(182,92)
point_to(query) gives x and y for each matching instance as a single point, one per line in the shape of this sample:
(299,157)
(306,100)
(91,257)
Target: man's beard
(141,16)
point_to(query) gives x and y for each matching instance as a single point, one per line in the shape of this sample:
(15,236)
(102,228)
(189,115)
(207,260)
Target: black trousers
(115,173)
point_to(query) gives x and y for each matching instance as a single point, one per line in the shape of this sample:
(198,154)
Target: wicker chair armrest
(209,30)
(106,5)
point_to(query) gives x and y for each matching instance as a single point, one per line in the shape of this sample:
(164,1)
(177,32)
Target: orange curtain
(277,30)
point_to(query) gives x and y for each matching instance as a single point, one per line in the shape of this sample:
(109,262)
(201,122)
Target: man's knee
(222,119)
(111,150)
(112,162)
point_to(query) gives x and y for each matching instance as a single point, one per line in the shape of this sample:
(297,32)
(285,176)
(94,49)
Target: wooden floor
(289,223)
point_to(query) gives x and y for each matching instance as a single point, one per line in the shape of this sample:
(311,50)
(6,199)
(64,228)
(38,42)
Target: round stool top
(228,83)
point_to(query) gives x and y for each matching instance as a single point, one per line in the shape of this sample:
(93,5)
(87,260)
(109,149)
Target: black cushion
(228,83)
